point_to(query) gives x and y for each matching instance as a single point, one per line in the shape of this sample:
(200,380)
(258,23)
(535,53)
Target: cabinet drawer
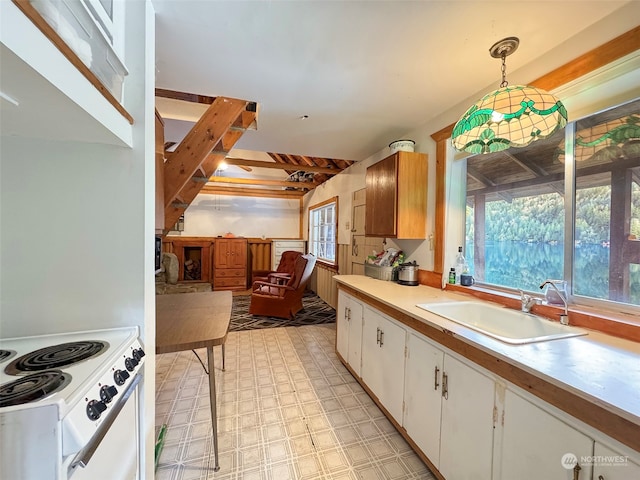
(229,282)
(229,272)
(278,252)
(294,245)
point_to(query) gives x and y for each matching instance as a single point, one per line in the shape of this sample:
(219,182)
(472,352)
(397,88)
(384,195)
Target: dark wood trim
(33,15)
(279,166)
(251,192)
(429,278)
(593,414)
(183,96)
(194,98)
(441,138)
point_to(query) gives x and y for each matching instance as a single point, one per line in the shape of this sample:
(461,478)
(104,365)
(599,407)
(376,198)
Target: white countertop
(600,368)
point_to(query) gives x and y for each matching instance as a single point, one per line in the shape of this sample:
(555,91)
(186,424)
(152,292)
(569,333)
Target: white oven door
(117,455)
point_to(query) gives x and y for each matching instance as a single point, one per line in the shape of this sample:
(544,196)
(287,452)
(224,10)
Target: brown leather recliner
(283,301)
(286,266)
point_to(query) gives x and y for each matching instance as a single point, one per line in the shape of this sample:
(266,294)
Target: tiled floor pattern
(287,408)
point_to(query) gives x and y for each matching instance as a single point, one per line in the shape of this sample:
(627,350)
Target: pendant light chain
(504,82)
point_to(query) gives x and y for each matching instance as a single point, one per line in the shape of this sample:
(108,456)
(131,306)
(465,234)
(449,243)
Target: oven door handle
(84,455)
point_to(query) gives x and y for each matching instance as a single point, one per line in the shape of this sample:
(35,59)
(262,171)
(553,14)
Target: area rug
(315,311)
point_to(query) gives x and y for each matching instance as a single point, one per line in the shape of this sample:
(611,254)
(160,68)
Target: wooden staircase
(186,170)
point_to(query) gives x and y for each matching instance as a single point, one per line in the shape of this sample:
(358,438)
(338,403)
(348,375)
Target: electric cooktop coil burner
(6,354)
(33,387)
(56,356)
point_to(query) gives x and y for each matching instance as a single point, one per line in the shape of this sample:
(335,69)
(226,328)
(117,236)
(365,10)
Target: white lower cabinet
(383,346)
(349,330)
(466,435)
(469,423)
(537,445)
(423,395)
(611,465)
(448,411)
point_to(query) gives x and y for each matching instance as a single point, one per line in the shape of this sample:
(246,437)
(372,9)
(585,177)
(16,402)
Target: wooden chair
(283,300)
(285,267)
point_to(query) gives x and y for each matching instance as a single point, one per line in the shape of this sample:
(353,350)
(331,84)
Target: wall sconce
(511,116)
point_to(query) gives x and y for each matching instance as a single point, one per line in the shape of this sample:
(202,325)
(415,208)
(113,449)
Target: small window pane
(322,232)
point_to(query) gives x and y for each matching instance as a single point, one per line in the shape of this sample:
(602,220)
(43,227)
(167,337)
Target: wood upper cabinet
(396,197)
(230,264)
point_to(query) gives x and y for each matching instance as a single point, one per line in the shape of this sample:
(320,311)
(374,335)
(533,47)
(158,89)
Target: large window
(567,208)
(323,230)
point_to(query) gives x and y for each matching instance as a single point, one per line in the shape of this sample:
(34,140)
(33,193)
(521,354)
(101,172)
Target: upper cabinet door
(381,193)
(396,197)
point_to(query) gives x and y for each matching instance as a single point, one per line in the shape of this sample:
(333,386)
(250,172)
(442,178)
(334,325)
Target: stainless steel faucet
(528,301)
(564,318)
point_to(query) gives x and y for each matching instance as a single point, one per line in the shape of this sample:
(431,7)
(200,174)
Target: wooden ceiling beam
(185,97)
(280,166)
(206,168)
(194,98)
(272,183)
(197,144)
(309,161)
(534,169)
(252,192)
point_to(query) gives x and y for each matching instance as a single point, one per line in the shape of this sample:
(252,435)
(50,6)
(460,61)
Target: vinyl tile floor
(287,409)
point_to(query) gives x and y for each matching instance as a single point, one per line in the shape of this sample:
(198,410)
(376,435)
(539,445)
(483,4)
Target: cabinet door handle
(349,313)
(576,472)
(346,315)
(435,378)
(600,477)
(381,338)
(377,335)
(445,386)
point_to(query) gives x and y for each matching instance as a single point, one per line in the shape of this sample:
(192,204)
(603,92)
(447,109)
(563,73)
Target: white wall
(77,216)
(214,215)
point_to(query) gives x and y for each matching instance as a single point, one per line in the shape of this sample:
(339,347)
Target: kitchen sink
(504,324)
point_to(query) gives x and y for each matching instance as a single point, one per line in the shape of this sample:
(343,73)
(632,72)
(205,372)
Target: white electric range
(67,403)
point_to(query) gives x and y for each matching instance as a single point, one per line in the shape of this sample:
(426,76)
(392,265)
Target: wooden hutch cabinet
(230,264)
(396,197)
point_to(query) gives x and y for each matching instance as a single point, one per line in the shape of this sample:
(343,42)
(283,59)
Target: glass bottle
(460,264)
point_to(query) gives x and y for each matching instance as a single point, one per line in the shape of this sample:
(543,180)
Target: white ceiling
(365,72)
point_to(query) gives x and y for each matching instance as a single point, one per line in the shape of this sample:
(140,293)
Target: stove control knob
(107,392)
(95,409)
(120,376)
(130,363)
(138,353)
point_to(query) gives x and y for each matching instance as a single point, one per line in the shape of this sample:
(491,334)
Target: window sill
(612,323)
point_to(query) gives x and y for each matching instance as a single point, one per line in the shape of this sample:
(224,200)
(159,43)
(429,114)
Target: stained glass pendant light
(511,116)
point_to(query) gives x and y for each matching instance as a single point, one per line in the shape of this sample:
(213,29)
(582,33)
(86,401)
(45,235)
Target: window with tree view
(323,230)
(522,227)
